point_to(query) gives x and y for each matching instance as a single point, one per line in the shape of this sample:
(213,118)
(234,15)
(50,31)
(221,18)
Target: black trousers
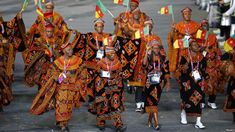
(139,94)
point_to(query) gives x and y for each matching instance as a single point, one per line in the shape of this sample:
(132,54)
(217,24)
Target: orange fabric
(180,30)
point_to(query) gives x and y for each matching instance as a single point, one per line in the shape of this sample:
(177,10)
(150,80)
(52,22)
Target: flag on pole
(181,43)
(100,9)
(142,32)
(202,34)
(229,44)
(167,10)
(39,11)
(122,2)
(25,5)
(108,40)
(98,12)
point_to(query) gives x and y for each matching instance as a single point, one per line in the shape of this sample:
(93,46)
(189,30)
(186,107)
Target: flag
(39,11)
(181,43)
(25,5)
(98,12)
(142,32)
(122,2)
(108,40)
(101,6)
(229,44)
(202,34)
(166,10)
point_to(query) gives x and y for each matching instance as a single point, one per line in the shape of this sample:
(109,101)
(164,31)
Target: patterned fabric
(191,90)
(109,93)
(129,50)
(180,30)
(64,96)
(10,42)
(153,91)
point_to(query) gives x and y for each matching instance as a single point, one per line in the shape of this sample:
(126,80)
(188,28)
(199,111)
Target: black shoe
(64,129)
(156,127)
(102,128)
(121,129)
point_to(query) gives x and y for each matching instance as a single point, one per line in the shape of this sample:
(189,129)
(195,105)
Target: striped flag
(166,10)
(229,44)
(100,9)
(181,43)
(25,5)
(39,11)
(202,34)
(122,2)
(98,12)
(108,40)
(142,32)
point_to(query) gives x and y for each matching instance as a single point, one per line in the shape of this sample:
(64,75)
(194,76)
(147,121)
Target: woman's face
(68,51)
(194,47)
(99,27)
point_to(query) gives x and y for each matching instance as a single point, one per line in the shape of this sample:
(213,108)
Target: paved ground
(79,14)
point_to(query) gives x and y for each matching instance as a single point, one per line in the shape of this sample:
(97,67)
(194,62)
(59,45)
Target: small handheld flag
(202,34)
(25,5)
(167,10)
(142,32)
(229,44)
(108,40)
(122,2)
(181,43)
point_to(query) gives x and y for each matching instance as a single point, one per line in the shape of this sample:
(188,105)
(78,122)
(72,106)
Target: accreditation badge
(100,54)
(105,74)
(196,75)
(154,78)
(61,78)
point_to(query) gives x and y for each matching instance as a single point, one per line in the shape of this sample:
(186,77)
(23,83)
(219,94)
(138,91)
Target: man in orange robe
(185,28)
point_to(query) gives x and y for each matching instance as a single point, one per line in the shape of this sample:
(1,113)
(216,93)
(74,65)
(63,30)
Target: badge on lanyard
(100,54)
(62,76)
(154,78)
(204,53)
(196,75)
(105,74)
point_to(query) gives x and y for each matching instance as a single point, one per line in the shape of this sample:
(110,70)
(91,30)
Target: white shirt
(231,10)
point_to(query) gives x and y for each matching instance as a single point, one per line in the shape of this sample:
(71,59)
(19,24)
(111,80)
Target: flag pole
(110,13)
(173,17)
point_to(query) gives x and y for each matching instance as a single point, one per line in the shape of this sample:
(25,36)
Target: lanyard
(191,60)
(97,43)
(66,66)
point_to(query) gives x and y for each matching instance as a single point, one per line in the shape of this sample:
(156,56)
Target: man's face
(68,51)
(49,9)
(99,27)
(150,27)
(194,47)
(133,6)
(186,15)
(49,32)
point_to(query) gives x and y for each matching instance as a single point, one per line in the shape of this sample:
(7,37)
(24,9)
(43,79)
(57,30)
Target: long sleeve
(231,9)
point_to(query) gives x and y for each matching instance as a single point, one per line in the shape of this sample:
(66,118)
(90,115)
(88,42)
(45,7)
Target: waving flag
(122,2)
(229,44)
(142,32)
(202,34)
(181,43)
(166,10)
(100,9)
(39,11)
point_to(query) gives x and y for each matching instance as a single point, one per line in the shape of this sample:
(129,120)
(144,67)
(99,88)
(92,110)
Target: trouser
(212,98)
(225,30)
(139,95)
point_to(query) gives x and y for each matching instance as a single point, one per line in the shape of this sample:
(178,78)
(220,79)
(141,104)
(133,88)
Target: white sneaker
(199,124)
(183,118)
(217,31)
(212,105)
(138,107)
(203,105)
(220,37)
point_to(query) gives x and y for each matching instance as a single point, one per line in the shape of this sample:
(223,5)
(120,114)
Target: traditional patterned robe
(125,26)
(109,93)
(153,91)
(192,91)
(11,41)
(181,29)
(94,43)
(62,96)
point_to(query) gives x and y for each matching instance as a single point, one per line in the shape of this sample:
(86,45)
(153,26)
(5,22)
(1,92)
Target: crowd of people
(71,68)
